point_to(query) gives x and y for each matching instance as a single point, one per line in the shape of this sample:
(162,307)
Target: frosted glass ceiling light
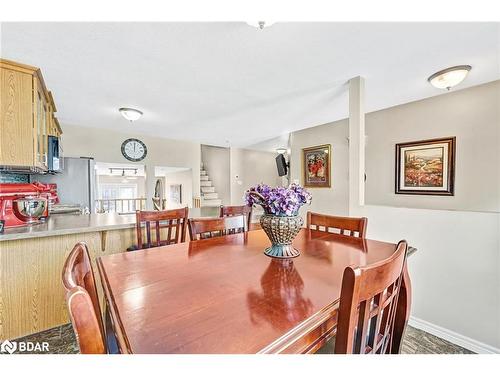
(281,150)
(130,114)
(447,78)
(260,24)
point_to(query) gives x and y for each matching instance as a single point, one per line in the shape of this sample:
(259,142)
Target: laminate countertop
(62,224)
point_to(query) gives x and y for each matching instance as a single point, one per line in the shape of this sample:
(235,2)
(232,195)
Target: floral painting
(425,167)
(317,166)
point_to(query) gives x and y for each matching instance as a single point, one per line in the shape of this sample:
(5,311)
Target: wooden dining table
(223,295)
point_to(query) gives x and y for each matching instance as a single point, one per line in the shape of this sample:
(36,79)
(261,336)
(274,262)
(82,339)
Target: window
(118,191)
(119,197)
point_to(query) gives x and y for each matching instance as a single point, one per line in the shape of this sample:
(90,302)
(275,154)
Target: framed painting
(316,166)
(426,167)
(175,193)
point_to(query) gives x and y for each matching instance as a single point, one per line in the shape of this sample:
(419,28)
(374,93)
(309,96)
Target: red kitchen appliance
(25,204)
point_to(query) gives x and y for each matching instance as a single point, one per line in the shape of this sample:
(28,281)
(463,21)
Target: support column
(356,144)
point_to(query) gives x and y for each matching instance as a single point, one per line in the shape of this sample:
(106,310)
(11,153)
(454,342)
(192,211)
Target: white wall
(455,272)
(105,146)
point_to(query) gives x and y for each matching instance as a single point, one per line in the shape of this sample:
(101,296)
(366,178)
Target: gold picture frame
(317,166)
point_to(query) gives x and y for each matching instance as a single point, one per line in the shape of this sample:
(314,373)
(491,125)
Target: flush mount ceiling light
(281,150)
(447,78)
(260,24)
(130,114)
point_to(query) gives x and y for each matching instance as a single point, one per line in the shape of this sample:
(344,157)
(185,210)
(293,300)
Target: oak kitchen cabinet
(27,117)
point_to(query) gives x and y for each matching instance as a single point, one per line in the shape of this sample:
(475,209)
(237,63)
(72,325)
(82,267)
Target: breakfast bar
(31,259)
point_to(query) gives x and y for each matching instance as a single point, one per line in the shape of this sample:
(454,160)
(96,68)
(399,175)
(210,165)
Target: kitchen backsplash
(14,178)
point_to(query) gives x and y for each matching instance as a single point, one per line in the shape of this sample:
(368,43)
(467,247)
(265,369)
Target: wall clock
(134,149)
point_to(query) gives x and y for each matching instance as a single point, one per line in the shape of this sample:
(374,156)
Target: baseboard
(453,337)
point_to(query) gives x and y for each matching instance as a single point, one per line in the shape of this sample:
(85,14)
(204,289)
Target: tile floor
(62,341)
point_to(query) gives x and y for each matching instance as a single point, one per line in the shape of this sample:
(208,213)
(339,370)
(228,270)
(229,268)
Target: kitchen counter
(62,224)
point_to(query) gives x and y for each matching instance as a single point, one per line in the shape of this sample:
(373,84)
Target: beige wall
(234,170)
(472,115)
(248,168)
(333,200)
(216,163)
(184,178)
(237,175)
(105,146)
(451,240)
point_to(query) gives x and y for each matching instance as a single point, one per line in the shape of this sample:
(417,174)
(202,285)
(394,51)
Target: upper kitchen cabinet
(54,129)
(27,117)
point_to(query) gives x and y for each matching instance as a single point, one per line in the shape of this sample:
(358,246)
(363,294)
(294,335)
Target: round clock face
(134,149)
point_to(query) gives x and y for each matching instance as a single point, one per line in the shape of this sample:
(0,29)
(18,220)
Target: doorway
(121,188)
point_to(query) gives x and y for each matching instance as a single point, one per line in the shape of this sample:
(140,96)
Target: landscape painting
(425,167)
(316,166)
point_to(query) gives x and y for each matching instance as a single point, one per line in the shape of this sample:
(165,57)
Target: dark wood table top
(223,295)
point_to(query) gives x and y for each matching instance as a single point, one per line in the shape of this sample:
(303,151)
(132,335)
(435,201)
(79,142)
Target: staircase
(209,198)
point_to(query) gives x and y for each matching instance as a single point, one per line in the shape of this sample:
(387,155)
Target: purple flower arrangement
(280,201)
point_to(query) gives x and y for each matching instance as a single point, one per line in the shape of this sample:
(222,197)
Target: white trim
(453,337)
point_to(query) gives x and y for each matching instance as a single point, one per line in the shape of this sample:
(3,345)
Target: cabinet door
(57,127)
(16,121)
(51,118)
(41,114)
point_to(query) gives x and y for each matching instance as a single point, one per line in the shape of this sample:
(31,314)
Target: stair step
(208,189)
(211,203)
(203,178)
(210,196)
(203,173)
(205,183)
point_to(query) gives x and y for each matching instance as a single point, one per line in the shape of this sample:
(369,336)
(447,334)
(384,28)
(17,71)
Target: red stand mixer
(25,204)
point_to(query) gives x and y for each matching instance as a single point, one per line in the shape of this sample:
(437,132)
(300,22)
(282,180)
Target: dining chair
(348,226)
(203,228)
(368,306)
(237,210)
(83,302)
(173,222)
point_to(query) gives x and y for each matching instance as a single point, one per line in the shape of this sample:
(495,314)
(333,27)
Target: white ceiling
(232,84)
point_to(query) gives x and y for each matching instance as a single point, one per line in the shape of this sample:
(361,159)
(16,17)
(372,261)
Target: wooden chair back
(236,211)
(348,226)
(173,222)
(368,305)
(202,228)
(82,301)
